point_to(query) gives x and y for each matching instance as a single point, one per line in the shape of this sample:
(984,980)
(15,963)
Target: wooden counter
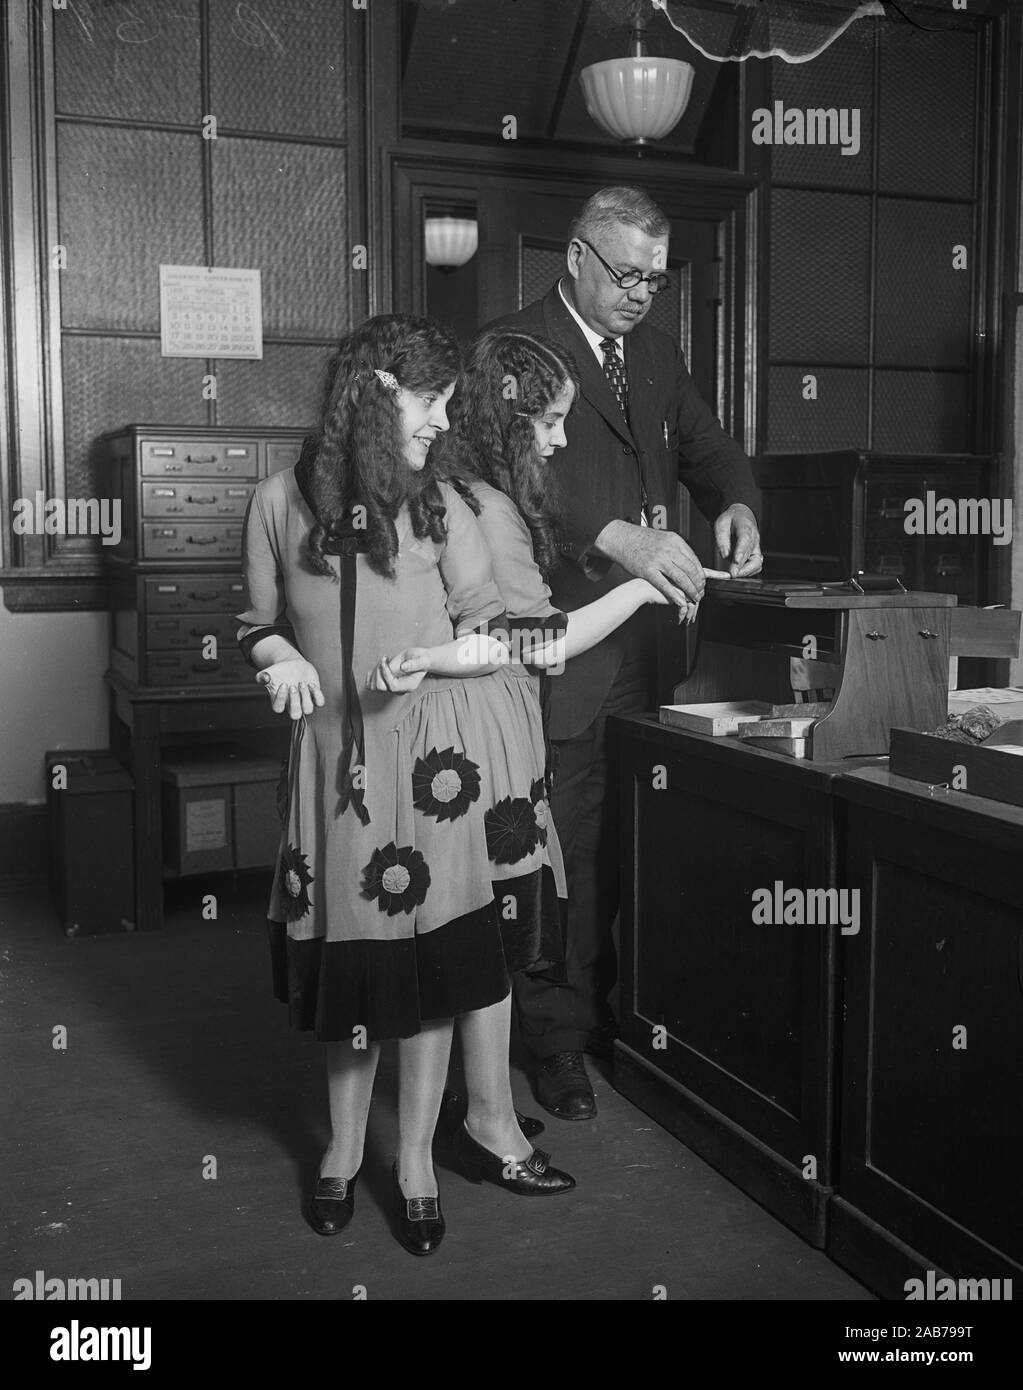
(745,1069)
(821,1069)
(931,1128)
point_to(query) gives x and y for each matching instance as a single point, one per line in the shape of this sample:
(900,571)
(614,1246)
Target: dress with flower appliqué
(418,866)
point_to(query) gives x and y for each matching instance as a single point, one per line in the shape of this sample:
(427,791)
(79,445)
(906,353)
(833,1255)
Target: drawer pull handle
(200,458)
(190,498)
(202,540)
(877,636)
(928,636)
(198,594)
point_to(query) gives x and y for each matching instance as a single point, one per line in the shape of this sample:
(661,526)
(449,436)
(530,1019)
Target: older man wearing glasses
(638,427)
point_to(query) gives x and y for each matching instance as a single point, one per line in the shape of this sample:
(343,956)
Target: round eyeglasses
(629,279)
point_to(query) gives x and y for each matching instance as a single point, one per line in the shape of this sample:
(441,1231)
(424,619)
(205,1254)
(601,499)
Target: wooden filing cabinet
(175,578)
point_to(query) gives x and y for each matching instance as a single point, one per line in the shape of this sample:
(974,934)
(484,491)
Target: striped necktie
(614,370)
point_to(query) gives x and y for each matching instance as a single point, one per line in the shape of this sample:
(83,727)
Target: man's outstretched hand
(662,558)
(738,541)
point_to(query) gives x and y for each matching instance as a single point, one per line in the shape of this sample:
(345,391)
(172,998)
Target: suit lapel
(562,327)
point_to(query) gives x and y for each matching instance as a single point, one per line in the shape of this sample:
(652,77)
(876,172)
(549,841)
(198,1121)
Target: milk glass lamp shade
(450,241)
(637,99)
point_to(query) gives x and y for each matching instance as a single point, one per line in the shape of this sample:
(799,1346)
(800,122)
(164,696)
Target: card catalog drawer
(204,593)
(187,668)
(200,458)
(210,500)
(180,631)
(199,540)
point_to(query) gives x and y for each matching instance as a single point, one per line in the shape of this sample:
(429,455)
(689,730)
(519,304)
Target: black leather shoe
(454,1108)
(419,1223)
(529,1177)
(563,1088)
(332,1205)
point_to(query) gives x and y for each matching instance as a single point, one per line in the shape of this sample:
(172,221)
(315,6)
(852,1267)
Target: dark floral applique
(511,830)
(295,879)
(445,784)
(397,878)
(541,811)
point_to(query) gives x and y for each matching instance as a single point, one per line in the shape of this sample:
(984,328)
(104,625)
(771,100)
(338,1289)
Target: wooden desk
(747,1074)
(142,720)
(931,1132)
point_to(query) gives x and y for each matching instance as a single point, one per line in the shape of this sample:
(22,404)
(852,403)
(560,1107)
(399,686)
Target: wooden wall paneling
(378,89)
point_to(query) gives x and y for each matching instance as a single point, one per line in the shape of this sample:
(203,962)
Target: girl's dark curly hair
(510,379)
(357,456)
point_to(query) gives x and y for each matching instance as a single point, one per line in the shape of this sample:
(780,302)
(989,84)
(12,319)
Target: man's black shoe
(563,1088)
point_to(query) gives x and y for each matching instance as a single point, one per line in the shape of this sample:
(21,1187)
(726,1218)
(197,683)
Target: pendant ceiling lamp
(450,241)
(638,98)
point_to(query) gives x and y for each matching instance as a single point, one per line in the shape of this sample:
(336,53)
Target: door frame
(419,173)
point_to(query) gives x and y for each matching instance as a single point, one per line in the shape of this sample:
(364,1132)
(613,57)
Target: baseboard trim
(24,843)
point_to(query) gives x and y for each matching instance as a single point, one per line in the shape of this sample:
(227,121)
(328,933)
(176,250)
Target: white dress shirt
(594,339)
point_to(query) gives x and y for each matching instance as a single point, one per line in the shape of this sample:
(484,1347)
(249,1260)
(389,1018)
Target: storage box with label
(219,808)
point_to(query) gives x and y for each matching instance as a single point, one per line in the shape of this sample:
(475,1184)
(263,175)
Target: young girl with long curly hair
(416,872)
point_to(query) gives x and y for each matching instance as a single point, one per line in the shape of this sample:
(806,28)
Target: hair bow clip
(387,378)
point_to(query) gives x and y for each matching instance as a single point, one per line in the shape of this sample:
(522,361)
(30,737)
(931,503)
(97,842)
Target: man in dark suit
(638,426)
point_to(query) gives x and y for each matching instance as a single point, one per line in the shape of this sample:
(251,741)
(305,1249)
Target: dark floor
(177,1053)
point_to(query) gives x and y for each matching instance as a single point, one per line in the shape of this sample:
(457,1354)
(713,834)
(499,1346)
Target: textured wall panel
(923,305)
(540,268)
(140,62)
(284,389)
(921,411)
(279,68)
(820,276)
(836,420)
(927,111)
(281,209)
(843,76)
(110,382)
(129,201)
